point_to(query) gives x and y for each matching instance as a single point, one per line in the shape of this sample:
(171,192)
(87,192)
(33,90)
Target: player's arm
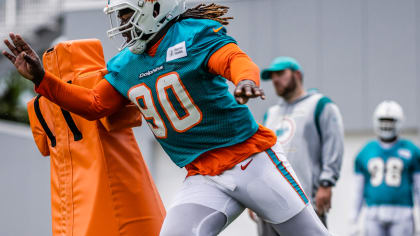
(128,117)
(416,176)
(358,197)
(232,63)
(332,136)
(91,104)
(358,200)
(359,185)
(416,188)
(331,155)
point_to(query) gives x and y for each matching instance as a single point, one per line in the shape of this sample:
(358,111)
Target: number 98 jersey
(189,110)
(388,172)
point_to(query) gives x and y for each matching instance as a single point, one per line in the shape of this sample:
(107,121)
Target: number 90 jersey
(388,173)
(189,110)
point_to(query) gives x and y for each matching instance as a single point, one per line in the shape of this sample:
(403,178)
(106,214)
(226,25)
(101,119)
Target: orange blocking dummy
(100,184)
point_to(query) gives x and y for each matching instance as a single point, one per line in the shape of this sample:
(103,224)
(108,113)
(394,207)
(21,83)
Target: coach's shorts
(265,183)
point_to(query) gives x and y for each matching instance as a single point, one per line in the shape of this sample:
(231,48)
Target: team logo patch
(176,52)
(404,153)
(285,130)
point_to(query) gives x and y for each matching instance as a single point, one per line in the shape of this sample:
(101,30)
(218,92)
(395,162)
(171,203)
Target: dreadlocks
(211,11)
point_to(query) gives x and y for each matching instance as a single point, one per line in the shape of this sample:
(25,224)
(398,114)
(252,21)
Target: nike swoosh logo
(243,167)
(218,29)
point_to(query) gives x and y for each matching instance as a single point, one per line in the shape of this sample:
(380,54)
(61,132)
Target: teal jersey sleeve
(417,160)
(416,157)
(209,37)
(118,68)
(358,164)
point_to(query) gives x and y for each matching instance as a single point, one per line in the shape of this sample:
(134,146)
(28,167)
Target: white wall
(24,184)
(358,52)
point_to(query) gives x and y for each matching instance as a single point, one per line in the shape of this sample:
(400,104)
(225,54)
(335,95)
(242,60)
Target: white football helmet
(388,119)
(148,18)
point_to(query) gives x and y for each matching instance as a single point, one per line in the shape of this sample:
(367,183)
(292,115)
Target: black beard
(290,89)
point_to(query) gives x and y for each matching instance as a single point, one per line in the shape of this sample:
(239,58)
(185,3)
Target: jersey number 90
(141,95)
(390,171)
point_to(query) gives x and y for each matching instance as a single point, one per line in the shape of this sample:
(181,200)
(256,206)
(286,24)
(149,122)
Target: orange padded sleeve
(232,63)
(91,104)
(128,117)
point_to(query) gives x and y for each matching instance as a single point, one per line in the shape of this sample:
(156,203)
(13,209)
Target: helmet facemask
(387,120)
(387,129)
(148,18)
(120,28)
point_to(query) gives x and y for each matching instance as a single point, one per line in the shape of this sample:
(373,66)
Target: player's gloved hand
(323,200)
(247,89)
(24,58)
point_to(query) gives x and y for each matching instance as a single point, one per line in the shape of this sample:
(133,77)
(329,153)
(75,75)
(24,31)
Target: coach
(310,129)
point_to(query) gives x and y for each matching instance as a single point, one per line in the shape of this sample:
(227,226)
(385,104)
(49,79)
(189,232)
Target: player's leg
(300,221)
(193,219)
(375,228)
(269,187)
(265,228)
(304,223)
(200,208)
(402,227)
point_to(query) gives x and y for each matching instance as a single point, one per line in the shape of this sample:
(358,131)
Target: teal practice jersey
(388,173)
(189,110)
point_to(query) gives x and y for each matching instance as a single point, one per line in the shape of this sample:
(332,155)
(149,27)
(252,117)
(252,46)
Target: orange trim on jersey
(232,63)
(216,161)
(188,94)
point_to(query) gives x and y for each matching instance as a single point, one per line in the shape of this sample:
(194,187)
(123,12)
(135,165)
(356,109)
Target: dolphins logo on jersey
(404,153)
(285,130)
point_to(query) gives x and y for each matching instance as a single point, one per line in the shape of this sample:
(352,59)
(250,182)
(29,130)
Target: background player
(387,176)
(172,67)
(309,127)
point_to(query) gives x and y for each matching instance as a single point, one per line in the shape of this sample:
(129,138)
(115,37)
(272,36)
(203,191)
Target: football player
(387,176)
(173,65)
